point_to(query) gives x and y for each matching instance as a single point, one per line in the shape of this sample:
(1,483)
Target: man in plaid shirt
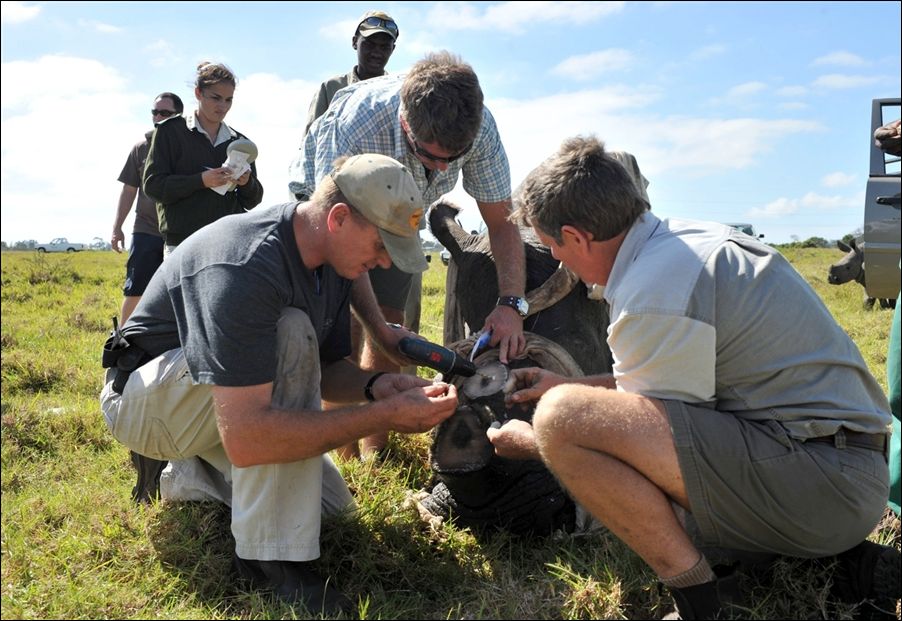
(432,120)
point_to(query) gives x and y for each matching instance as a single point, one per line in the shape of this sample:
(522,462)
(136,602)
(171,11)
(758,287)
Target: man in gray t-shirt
(238,338)
(146,252)
(735,396)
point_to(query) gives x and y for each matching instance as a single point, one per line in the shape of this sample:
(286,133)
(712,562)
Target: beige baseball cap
(384,192)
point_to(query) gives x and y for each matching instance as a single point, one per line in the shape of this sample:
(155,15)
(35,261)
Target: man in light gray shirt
(735,396)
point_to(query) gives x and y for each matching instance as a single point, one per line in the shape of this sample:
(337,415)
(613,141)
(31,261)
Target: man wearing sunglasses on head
(374,41)
(432,120)
(146,252)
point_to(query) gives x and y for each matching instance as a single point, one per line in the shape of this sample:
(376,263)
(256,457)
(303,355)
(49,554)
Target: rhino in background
(851,267)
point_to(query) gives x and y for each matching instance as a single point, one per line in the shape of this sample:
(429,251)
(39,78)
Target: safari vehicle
(744,227)
(60,244)
(882,222)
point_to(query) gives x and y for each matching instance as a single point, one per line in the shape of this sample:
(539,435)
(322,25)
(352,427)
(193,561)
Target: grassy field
(75,547)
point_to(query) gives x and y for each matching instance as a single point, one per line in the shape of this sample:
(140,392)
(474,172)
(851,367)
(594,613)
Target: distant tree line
(819,242)
(29,244)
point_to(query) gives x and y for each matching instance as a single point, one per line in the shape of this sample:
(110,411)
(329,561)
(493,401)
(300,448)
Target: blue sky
(755,112)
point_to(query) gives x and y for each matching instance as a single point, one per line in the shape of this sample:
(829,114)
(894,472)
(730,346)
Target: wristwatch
(518,304)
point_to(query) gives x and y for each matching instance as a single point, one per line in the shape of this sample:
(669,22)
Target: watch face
(518,304)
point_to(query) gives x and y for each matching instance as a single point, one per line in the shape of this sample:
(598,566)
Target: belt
(845,437)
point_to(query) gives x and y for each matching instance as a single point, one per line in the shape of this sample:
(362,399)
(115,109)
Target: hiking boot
(709,600)
(148,486)
(294,582)
(869,575)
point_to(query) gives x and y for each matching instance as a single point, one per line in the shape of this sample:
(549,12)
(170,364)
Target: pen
(481,342)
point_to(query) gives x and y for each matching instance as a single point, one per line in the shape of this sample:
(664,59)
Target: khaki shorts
(753,487)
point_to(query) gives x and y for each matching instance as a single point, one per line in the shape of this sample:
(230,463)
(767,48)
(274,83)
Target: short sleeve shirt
(704,314)
(132,174)
(220,294)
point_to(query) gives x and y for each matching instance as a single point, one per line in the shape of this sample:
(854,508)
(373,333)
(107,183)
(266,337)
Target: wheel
(42,250)
(70,250)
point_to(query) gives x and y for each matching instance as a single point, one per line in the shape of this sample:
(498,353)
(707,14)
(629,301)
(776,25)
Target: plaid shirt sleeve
(355,122)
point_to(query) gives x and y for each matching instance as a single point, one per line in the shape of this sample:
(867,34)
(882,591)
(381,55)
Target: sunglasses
(376,22)
(163,113)
(412,143)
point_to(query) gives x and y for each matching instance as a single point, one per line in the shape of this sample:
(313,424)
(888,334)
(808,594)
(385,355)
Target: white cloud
(838,80)
(73,77)
(67,193)
(775,209)
(17,12)
(162,54)
(516,17)
(810,202)
(842,58)
(342,30)
(533,129)
(708,51)
(837,179)
(99,26)
(792,91)
(793,105)
(746,89)
(589,66)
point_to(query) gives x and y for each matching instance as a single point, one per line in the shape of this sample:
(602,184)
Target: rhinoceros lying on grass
(565,333)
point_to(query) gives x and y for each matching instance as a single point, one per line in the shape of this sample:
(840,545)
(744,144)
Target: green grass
(74,546)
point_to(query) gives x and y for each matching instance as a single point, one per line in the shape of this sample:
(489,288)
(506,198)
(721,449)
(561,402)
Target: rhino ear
(843,246)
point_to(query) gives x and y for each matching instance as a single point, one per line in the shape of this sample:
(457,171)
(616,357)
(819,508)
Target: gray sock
(697,574)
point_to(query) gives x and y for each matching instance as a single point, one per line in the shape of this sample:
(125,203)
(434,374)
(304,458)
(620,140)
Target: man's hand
(117,241)
(889,137)
(515,439)
(507,333)
(532,383)
(391,384)
(417,405)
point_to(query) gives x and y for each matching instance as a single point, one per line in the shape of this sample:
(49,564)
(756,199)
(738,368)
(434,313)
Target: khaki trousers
(276,509)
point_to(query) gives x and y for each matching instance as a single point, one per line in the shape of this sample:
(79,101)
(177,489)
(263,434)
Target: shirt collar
(635,240)
(354,77)
(225,134)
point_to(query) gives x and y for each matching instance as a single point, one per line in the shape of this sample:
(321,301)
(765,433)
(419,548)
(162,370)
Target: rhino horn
(552,291)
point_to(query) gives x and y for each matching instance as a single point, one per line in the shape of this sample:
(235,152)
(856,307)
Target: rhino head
(850,267)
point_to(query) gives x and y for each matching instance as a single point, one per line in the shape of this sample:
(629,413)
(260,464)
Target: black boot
(709,600)
(149,470)
(869,575)
(294,582)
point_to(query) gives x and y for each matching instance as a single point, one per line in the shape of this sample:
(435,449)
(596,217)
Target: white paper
(237,163)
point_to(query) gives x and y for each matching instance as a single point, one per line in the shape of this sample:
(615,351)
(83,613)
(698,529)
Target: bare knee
(557,417)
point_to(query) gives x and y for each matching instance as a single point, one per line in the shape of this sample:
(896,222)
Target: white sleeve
(664,356)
